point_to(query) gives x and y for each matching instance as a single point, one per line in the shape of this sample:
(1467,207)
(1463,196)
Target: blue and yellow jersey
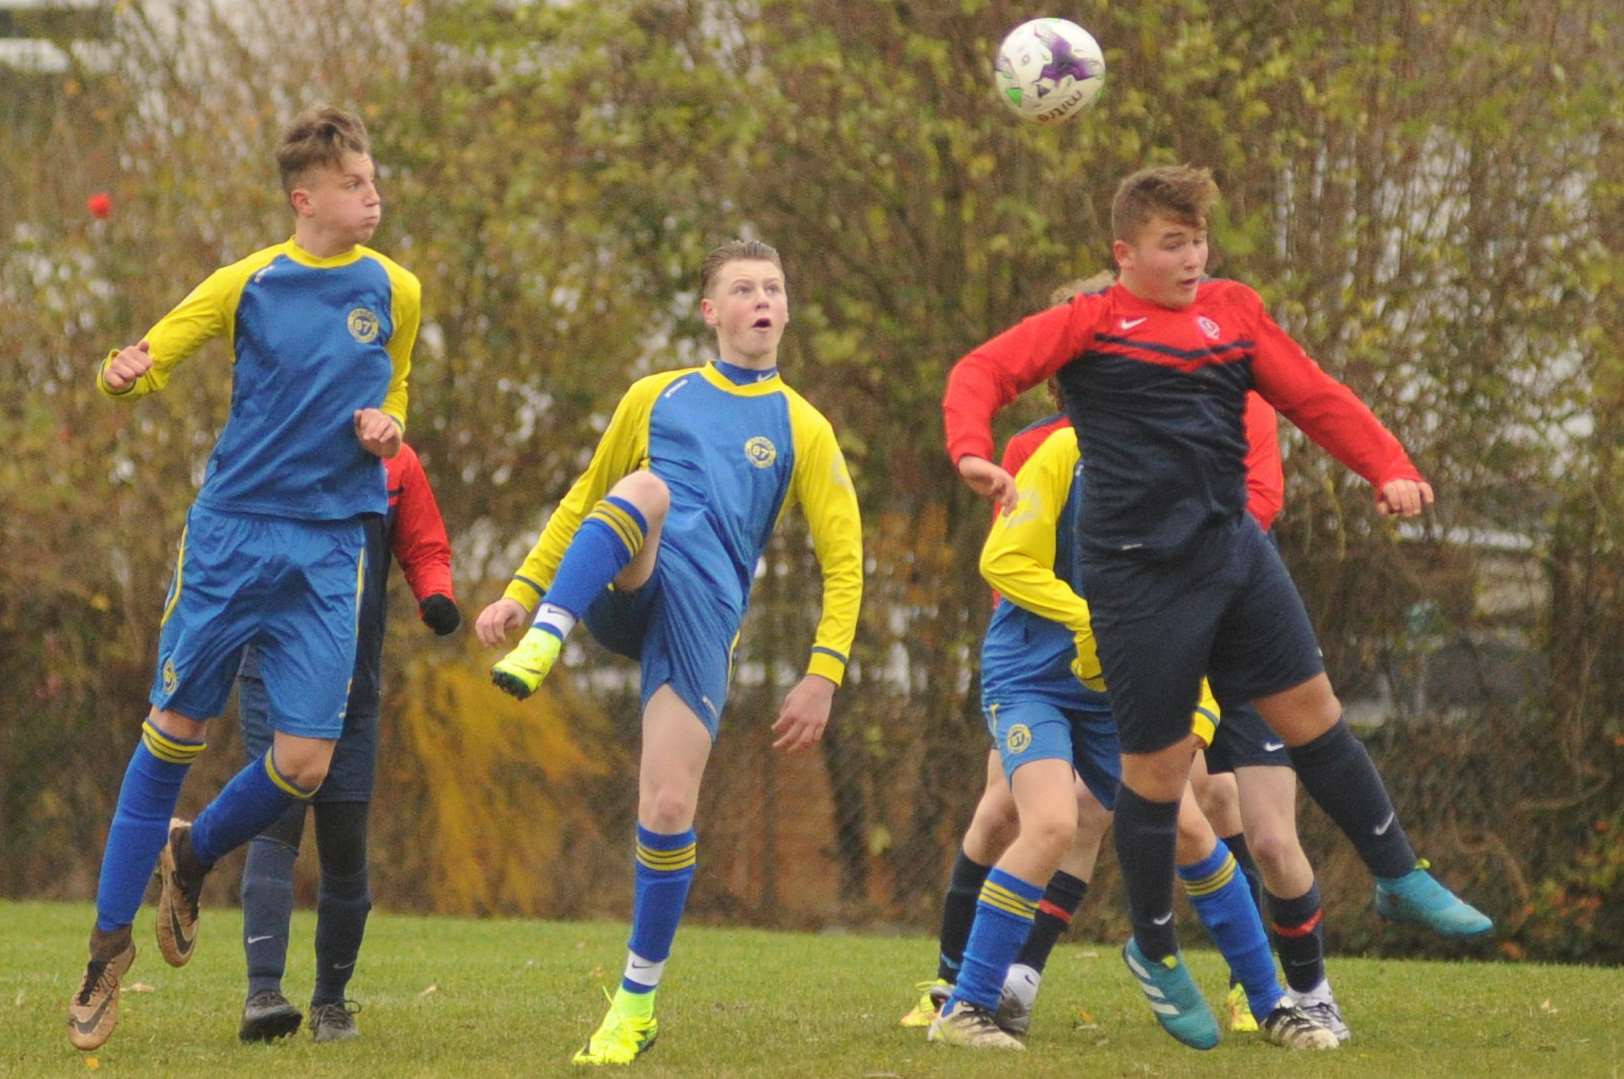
(314,339)
(735,458)
(1030,558)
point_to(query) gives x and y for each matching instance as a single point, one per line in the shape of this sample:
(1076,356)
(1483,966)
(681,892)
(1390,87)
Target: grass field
(457,997)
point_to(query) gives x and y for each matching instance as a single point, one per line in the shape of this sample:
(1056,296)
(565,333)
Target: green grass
(456,997)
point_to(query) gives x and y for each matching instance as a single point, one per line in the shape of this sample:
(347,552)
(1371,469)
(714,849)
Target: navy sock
(608,539)
(267,899)
(140,827)
(1337,773)
(1061,898)
(1297,926)
(1243,858)
(245,806)
(1004,915)
(958,914)
(345,897)
(664,871)
(1146,837)
(1218,892)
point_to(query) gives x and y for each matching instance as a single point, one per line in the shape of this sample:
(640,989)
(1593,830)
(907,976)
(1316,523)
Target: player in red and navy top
(1181,580)
(414,534)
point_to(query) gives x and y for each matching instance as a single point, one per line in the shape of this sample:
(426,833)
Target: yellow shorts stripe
(166,749)
(1209,885)
(286,785)
(174,586)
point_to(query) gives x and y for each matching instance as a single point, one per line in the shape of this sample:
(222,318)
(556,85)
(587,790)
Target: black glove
(439,613)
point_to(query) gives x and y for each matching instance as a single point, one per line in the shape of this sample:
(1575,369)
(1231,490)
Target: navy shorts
(1035,730)
(1227,607)
(679,632)
(1244,740)
(353,771)
(292,588)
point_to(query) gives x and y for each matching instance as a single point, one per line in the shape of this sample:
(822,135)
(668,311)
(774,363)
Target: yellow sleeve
(210,311)
(406,312)
(623,449)
(1018,557)
(1204,721)
(823,487)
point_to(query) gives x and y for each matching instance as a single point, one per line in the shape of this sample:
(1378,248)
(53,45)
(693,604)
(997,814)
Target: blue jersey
(314,340)
(734,457)
(1025,655)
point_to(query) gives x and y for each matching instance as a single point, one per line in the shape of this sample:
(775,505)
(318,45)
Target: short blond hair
(735,251)
(1181,193)
(319,136)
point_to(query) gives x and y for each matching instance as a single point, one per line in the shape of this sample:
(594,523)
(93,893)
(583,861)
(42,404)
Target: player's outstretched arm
(499,619)
(378,432)
(804,713)
(989,481)
(125,367)
(1403,498)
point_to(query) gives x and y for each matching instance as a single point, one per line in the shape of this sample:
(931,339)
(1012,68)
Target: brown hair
(732,251)
(1180,193)
(319,136)
(1093,283)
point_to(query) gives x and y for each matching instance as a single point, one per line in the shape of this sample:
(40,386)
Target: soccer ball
(1049,69)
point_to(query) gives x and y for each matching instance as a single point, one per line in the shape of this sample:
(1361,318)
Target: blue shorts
(1227,607)
(354,768)
(291,588)
(680,633)
(1244,740)
(1035,730)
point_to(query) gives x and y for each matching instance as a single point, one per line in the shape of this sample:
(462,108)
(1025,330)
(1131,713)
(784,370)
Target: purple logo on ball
(1062,61)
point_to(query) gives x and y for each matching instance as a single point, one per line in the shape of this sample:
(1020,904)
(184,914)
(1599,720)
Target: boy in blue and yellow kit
(321,331)
(655,547)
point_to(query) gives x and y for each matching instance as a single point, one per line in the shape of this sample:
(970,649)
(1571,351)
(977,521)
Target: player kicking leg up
(674,510)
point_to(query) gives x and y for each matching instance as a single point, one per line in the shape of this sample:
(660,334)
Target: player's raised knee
(647,492)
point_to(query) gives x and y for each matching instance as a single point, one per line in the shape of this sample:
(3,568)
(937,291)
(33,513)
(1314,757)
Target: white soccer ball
(1049,69)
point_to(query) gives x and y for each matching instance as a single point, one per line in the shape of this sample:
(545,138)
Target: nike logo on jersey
(256,940)
(1272,747)
(1381,829)
(1130,323)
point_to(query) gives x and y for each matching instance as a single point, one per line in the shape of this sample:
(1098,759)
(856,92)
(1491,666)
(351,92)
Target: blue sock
(606,542)
(665,870)
(267,908)
(1004,916)
(245,807)
(1222,900)
(140,827)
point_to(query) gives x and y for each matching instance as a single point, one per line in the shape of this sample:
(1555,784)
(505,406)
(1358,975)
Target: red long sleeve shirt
(1159,398)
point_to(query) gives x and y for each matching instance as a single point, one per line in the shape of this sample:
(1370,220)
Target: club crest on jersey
(170,678)
(760,451)
(363,325)
(1208,327)
(1018,738)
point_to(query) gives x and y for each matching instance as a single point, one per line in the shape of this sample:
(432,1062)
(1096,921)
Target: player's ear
(707,310)
(1122,251)
(299,199)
